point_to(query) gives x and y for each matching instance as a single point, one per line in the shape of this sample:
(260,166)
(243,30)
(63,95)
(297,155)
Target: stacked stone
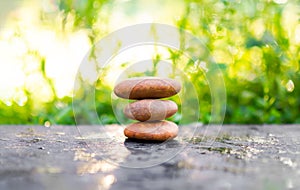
(149,110)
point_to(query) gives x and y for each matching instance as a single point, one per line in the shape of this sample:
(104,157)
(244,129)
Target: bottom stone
(152,130)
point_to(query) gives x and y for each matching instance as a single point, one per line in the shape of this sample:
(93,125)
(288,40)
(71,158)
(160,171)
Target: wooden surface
(100,157)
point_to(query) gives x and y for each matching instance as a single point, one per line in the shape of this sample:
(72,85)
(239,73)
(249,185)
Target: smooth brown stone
(150,110)
(153,130)
(147,88)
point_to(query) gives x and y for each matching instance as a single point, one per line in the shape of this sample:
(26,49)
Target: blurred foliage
(253,42)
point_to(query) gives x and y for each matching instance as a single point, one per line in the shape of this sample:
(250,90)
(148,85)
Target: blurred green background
(255,43)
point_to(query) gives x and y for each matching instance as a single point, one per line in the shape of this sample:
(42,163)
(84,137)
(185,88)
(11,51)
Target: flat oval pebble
(147,88)
(150,110)
(152,130)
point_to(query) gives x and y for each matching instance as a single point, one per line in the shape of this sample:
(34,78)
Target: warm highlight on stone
(147,88)
(150,110)
(154,130)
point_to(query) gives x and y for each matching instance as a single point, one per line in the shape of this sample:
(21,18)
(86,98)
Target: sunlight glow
(297,34)
(290,86)
(280,1)
(91,165)
(106,182)
(25,41)
(141,56)
(63,54)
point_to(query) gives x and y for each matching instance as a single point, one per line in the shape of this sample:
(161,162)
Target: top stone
(147,88)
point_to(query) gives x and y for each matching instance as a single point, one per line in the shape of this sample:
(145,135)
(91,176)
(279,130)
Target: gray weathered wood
(99,157)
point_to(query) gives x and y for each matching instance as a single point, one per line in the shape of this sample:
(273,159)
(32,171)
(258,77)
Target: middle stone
(150,109)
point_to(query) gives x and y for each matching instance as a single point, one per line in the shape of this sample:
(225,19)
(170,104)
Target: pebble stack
(149,109)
